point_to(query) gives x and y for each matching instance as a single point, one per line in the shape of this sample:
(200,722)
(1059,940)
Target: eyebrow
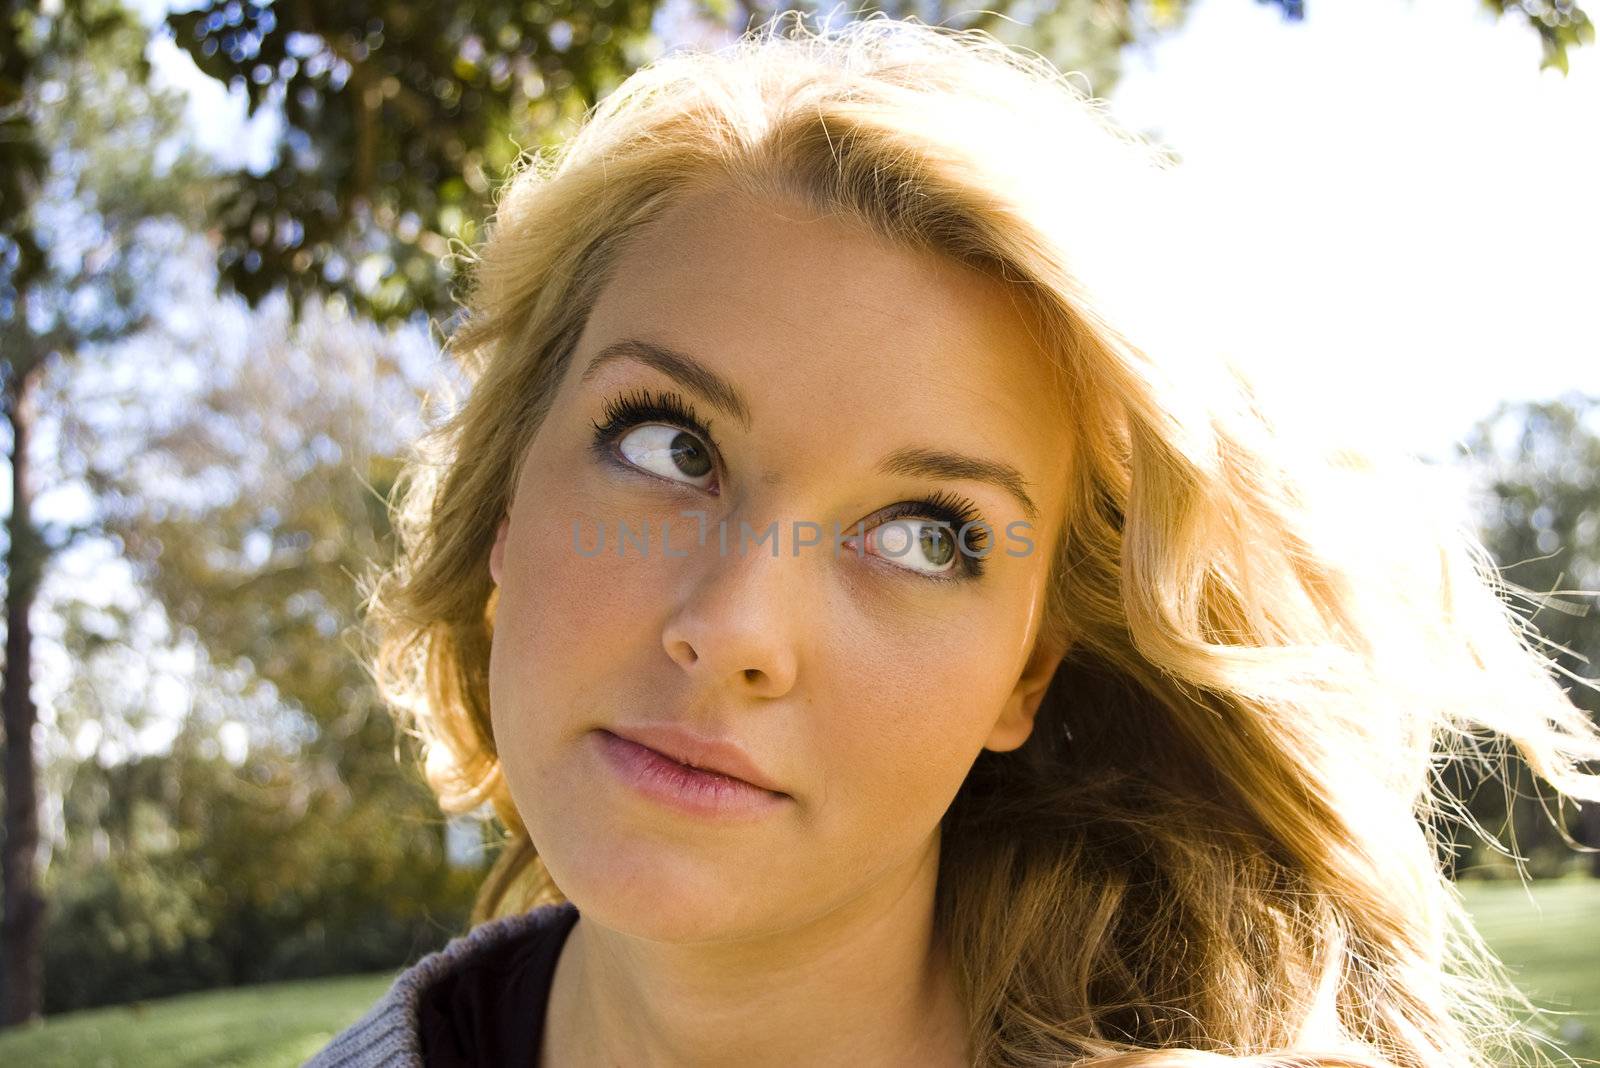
(940,464)
(717,391)
(682,368)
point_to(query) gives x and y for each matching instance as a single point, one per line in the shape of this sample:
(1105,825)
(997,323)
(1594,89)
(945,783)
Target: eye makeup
(955,514)
(624,412)
(949,511)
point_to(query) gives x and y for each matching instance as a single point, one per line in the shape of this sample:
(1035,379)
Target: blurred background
(225,271)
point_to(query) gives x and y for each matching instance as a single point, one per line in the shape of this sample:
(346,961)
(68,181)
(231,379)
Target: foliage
(401,117)
(234,893)
(1540,465)
(398,117)
(134,926)
(1560,24)
(80,188)
(241,463)
(79,132)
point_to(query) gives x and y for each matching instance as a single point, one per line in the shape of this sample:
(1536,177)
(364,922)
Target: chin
(662,890)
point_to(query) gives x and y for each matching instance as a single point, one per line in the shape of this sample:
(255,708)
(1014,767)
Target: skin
(863,688)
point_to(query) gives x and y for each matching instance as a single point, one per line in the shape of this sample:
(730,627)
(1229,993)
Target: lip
(696,791)
(704,754)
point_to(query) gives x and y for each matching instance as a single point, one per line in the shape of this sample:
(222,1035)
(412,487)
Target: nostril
(752,674)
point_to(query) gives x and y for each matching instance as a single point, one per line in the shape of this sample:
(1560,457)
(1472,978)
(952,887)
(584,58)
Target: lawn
(271,1026)
(1550,943)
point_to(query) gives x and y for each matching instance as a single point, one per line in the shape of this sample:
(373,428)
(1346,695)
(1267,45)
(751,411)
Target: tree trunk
(22,931)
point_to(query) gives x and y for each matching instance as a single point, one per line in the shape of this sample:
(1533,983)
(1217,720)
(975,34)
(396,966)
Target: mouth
(719,757)
(694,790)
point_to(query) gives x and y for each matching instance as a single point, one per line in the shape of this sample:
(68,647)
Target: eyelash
(956,512)
(642,406)
(623,413)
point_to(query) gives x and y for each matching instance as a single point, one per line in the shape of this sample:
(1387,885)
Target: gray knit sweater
(388,1034)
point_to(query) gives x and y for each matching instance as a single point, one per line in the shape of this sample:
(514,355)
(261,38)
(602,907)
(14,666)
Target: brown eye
(668,451)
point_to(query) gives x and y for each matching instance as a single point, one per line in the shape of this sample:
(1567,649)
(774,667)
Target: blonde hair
(1221,843)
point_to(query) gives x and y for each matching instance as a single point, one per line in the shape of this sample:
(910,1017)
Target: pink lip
(705,754)
(694,789)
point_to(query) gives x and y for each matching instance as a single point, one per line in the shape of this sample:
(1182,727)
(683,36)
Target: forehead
(875,344)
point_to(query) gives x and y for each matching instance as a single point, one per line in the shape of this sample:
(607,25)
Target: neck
(867,983)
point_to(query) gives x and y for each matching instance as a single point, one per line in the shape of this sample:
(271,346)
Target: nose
(733,629)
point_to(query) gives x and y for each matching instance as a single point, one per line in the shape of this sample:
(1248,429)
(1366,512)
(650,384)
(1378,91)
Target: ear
(1016,718)
(497,554)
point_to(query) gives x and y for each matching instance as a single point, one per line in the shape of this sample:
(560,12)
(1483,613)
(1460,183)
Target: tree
(247,488)
(1541,473)
(78,193)
(401,116)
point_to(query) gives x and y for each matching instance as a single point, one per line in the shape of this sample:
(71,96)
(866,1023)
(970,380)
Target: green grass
(276,1025)
(1551,944)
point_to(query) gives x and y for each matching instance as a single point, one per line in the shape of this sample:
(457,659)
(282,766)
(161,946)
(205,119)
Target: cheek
(909,707)
(567,625)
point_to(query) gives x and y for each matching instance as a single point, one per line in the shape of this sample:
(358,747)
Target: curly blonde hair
(1222,842)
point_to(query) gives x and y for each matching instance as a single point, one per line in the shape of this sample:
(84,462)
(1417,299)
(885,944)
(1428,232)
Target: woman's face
(795,370)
